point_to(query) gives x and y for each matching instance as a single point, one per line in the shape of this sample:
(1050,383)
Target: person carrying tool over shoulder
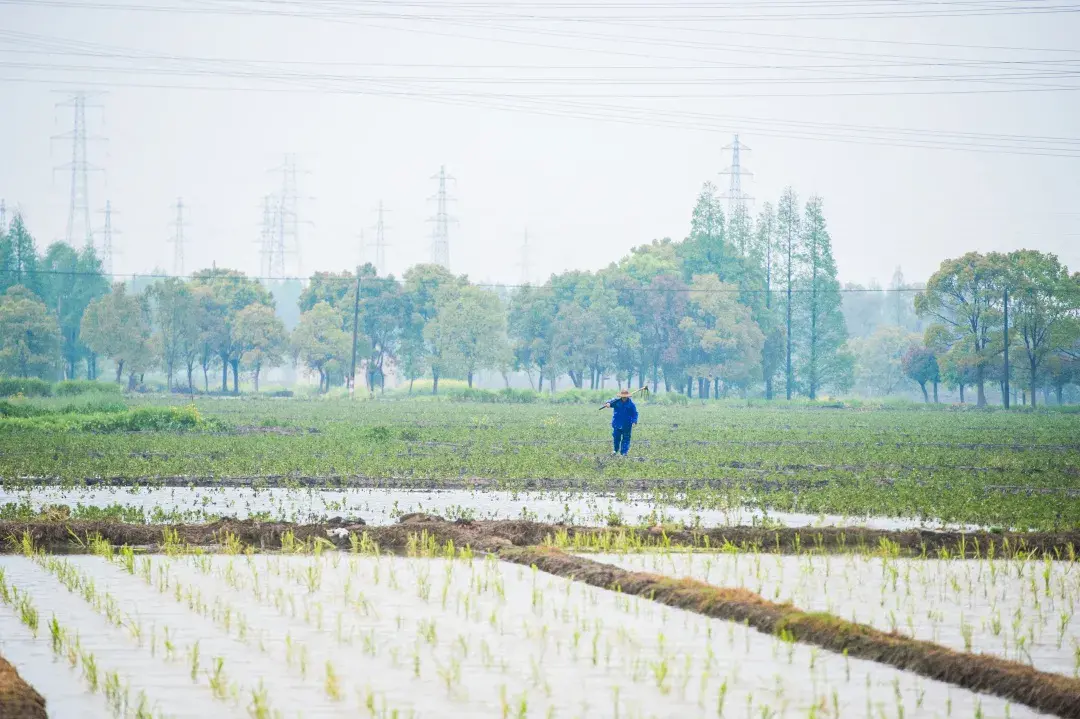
(624,417)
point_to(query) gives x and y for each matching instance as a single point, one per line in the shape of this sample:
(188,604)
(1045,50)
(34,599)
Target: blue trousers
(621,438)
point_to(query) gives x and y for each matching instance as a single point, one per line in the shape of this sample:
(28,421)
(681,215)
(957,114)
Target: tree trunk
(235,375)
(190,371)
(468,378)
(119,371)
(224,373)
(540,383)
(925,397)
(961,393)
(980,386)
(131,382)
(257,368)
(206,379)
(716,388)
(1058,391)
(935,392)
(768,388)
(411,381)
(434,383)
(169,375)
(1032,365)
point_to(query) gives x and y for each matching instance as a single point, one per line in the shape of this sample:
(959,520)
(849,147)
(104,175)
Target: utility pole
(178,238)
(107,233)
(1007,349)
(440,237)
(790,378)
(355,332)
(78,222)
(735,171)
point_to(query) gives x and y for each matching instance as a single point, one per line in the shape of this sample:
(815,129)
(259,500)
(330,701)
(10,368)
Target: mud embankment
(18,700)
(61,535)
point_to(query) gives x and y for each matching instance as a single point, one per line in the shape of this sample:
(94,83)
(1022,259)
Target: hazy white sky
(593,124)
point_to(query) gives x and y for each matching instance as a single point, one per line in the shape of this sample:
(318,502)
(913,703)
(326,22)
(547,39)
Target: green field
(989,468)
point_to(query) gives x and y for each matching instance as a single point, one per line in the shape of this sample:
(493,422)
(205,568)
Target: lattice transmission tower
(284,241)
(178,238)
(78,221)
(107,232)
(380,240)
(735,172)
(440,236)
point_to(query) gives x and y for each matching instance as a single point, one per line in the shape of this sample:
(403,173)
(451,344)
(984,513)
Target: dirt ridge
(18,700)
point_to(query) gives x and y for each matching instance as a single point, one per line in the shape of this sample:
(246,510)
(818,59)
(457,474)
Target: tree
(726,342)
(788,234)
(920,365)
(117,326)
(260,333)
(765,251)
(1044,302)
(465,333)
(879,359)
(230,291)
(70,281)
(320,343)
(530,326)
(18,258)
(175,320)
(29,336)
(822,331)
(965,296)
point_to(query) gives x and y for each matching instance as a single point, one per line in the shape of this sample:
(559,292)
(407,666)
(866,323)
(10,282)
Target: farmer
(623,419)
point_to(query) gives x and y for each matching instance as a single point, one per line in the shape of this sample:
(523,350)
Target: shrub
(25,387)
(75,387)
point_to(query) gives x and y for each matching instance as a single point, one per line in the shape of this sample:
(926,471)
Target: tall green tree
(788,230)
(70,281)
(965,295)
(175,315)
(466,333)
(320,343)
(29,336)
(920,364)
(823,361)
(230,292)
(1044,308)
(765,253)
(262,338)
(117,326)
(879,360)
(531,330)
(19,263)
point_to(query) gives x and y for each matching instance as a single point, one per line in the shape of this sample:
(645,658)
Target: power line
(327,277)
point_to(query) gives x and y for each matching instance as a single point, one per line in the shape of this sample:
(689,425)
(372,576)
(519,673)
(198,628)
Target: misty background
(930,129)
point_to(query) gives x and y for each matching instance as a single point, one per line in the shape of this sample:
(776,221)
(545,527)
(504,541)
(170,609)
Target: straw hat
(624,393)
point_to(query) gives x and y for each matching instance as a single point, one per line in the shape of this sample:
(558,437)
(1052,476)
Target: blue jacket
(623,414)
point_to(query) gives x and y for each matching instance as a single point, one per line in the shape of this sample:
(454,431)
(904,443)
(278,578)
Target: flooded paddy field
(282,560)
(337,634)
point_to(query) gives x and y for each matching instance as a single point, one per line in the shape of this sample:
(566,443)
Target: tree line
(744,305)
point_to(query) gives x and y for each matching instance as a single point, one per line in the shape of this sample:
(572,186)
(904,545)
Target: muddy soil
(63,535)
(18,700)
